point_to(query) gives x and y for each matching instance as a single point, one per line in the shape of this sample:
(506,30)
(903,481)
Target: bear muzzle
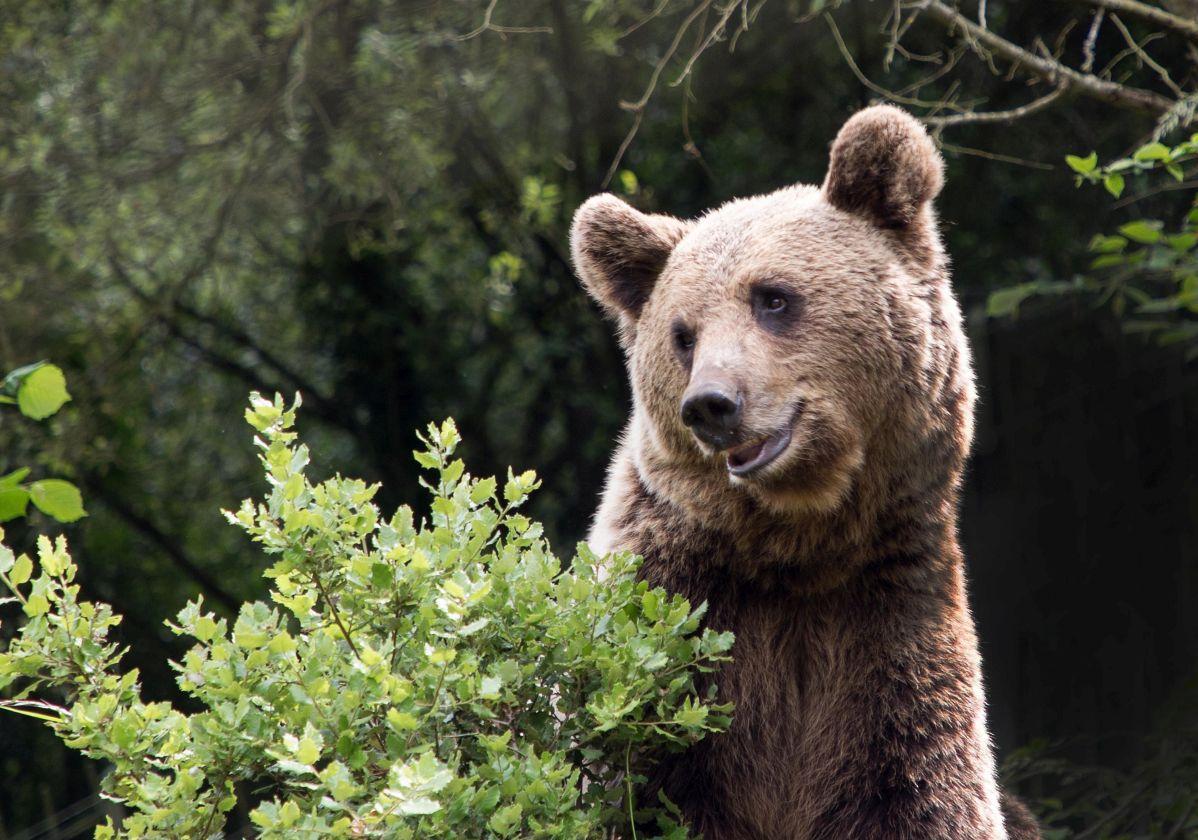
(712,410)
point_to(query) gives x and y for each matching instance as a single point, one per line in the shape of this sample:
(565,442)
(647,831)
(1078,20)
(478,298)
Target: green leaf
(36,605)
(14,478)
(57,498)
(1152,151)
(1182,242)
(483,489)
(1107,244)
(1113,184)
(1108,260)
(504,821)
(1005,302)
(42,392)
(425,459)
(651,605)
(14,501)
(22,570)
(1143,231)
(418,805)
(307,752)
(1080,165)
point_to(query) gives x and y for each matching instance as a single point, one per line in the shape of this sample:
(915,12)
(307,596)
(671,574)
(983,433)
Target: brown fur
(859,704)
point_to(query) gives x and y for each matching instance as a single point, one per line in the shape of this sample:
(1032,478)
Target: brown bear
(802,413)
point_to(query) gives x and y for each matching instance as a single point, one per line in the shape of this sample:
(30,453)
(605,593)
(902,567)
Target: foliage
(1148,264)
(1147,270)
(1157,797)
(38,391)
(438,679)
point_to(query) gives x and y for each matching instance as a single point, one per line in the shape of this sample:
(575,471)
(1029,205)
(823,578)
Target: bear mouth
(748,458)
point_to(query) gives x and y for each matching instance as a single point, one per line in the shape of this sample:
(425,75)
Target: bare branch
(982,153)
(1112,93)
(1091,41)
(893,96)
(716,32)
(954,56)
(488,26)
(1108,70)
(1010,115)
(1146,58)
(657,10)
(639,106)
(1152,14)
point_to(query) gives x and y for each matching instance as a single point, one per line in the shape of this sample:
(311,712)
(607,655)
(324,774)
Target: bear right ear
(619,252)
(884,167)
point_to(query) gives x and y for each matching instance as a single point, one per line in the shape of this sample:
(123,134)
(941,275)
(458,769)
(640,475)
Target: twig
(1010,115)
(1105,73)
(657,10)
(488,26)
(712,36)
(628,785)
(894,96)
(1146,58)
(638,107)
(982,153)
(1152,14)
(336,615)
(953,57)
(1163,188)
(1091,41)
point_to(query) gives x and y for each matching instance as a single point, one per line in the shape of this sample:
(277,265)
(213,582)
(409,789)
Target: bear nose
(713,413)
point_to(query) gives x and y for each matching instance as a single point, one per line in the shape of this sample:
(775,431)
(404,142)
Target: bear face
(782,344)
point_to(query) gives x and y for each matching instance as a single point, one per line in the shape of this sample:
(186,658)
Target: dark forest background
(368,202)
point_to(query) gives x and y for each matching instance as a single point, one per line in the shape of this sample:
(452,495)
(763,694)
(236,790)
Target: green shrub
(412,679)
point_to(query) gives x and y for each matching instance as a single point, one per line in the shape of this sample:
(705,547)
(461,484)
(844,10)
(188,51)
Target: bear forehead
(792,234)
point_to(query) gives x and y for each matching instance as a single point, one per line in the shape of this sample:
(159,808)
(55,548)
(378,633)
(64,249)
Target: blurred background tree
(368,202)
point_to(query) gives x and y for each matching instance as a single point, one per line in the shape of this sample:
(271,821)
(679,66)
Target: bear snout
(712,409)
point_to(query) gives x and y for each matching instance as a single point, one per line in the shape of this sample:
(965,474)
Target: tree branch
(169,546)
(1152,14)
(1112,93)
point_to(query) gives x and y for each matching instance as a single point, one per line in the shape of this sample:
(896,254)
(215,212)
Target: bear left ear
(619,252)
(883,166)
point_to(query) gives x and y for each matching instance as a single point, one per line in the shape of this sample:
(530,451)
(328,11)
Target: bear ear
(619,252)
(883,166)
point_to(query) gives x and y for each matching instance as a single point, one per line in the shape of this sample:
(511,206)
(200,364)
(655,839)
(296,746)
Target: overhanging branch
(1051,70)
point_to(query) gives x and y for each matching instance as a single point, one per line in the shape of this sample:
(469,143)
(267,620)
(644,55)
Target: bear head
(790,346)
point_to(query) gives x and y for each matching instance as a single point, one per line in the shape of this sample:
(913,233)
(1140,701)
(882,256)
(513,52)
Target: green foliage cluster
(38,391)
(1148,270)
(439,679)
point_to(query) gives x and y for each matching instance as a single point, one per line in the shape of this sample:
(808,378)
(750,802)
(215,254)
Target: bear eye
(775,308)
(684,340)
